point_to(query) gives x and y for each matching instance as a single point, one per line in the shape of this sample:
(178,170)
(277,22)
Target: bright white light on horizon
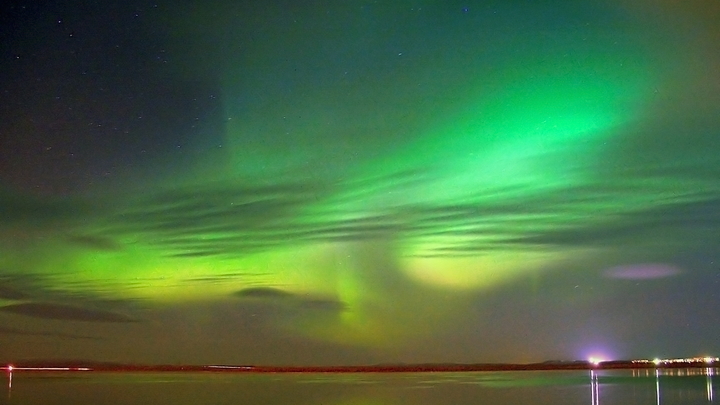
(597,353)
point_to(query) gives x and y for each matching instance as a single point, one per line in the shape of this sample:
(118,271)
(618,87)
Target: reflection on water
(594,388)
(666,387)
(709,384)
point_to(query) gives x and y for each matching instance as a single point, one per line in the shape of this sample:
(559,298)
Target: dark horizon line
(35,365)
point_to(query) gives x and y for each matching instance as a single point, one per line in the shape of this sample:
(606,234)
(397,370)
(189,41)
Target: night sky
(359,182)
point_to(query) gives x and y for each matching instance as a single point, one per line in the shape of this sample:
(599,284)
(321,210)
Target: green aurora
(370,187)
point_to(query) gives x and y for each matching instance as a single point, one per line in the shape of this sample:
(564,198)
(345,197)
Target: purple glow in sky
(643,271)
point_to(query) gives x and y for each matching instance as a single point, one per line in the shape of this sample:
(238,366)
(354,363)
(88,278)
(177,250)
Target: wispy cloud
(22,332)
(65,312)
(234,220)
(300,301)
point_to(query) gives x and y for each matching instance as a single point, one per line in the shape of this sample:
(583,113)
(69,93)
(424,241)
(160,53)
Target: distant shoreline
(36,366)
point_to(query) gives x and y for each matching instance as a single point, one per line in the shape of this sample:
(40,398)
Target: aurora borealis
(277,182)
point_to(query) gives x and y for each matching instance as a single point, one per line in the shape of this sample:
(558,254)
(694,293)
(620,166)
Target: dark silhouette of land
(78,365)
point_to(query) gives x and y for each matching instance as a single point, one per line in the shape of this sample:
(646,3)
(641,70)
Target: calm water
(491,388)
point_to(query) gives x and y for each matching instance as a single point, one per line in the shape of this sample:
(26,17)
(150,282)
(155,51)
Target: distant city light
(595,360)
(10,368)
(687,360)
